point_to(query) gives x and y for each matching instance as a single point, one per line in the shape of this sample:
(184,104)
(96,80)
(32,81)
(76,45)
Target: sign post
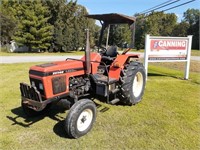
(168,49)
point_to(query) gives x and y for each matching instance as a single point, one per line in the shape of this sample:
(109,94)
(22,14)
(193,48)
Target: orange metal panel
(114,71)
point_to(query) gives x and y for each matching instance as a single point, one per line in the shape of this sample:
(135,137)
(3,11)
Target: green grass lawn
(166,119)
(193,53)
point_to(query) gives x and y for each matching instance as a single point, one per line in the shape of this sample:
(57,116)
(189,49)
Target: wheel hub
(138,84)
(84,119)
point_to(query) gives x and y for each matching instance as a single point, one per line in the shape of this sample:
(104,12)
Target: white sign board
(168,49)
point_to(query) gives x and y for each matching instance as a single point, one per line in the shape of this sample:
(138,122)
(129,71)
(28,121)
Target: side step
(115,91)
(104,79)
(114,101)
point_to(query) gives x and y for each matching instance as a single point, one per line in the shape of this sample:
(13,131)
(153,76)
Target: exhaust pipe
(87,53)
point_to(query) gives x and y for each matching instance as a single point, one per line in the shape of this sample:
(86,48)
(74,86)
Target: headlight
(32,83)
(41,86)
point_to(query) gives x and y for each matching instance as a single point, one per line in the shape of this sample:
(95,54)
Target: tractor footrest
(115,91)
(104,85)
(114,101)
(103,79)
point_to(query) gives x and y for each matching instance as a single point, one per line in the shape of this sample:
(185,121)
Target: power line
(178,5)
(161,7)
(166,5)
(156,6)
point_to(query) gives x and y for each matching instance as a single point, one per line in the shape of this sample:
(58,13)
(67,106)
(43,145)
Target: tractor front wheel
(133,80)
(80,118)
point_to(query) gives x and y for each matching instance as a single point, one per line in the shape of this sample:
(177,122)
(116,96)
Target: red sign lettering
(168,45)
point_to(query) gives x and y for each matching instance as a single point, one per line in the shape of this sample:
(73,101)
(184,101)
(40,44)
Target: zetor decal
(44,74)
(58,72)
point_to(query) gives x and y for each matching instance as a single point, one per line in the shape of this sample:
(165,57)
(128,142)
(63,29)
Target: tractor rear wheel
(133,80)
(80,118)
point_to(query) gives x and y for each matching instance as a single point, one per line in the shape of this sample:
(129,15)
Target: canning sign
(168,49)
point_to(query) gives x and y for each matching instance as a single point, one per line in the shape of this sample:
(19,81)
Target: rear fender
(118,65)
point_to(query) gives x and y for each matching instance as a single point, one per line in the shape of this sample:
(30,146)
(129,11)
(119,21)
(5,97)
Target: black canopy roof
(113,18)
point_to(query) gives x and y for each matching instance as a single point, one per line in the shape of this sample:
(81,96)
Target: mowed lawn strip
(194,52)
(73,53)
(166,118)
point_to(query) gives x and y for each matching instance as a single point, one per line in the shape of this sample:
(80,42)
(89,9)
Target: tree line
(165,24)
(59,25)
(53,25)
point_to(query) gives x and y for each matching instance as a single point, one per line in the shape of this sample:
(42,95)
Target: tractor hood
(55,68)
(67,66)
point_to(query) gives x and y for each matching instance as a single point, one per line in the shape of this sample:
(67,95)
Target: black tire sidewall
(73,115)
(127,77)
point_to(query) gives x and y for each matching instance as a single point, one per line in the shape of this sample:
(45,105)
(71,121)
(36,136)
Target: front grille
(59,84)
(36,83)
(30,92)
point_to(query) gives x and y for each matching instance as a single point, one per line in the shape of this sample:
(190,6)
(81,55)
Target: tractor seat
(112,51)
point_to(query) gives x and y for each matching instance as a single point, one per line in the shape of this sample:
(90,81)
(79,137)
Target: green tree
(79,25)
(156,23)
(69,23)
(191,16)
(8,23)
(7,28)
(56,21)
(160,24)
(95,34)
(34,31)
(119,34)
(181,29)
(140,31)
(62,19)
(168,23)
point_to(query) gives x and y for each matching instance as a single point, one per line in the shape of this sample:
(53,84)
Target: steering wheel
(108,58)
(103,50)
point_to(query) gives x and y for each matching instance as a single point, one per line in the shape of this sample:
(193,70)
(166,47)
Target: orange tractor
(76,82)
